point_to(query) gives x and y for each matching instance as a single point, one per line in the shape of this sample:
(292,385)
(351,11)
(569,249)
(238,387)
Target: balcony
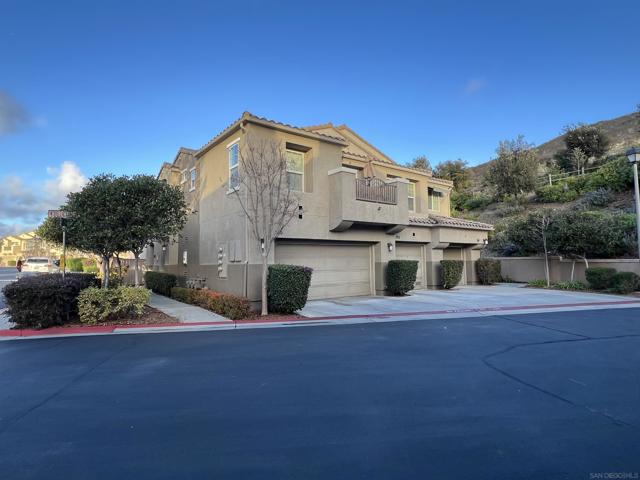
(366,201)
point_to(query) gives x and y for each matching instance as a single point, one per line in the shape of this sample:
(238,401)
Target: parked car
(40,265)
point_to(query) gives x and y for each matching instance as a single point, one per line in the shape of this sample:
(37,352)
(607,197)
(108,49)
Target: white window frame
(236,167)
(183,176)
(192,179)
(297,152)
(409,196)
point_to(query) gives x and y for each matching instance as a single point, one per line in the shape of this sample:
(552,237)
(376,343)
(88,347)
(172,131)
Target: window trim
(183,176)
(192,180)
(412,210)
(301,172)
(431,196)
(236,166)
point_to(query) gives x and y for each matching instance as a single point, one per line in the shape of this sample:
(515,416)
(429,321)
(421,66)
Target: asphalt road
(544,396)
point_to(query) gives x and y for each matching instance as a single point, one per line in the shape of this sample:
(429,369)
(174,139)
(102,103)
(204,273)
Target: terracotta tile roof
(439,220)
(250,116)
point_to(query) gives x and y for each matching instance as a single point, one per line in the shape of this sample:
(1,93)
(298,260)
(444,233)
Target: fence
(558,177)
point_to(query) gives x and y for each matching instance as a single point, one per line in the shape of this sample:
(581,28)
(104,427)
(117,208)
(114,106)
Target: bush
(625,282)
(45,300)
(489,271)
(555,193)
(600,278)
(75,265)
(575,285)
(287,287)
(160,282)
(463,201)
(597,198)
(401,276)
(537,283)
(225,304)
(451,272)
(616,175)
(98,305)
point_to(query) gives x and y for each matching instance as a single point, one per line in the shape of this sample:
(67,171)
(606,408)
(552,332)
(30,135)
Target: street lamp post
(634,158)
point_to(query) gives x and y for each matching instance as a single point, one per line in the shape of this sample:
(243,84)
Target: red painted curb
(111,328)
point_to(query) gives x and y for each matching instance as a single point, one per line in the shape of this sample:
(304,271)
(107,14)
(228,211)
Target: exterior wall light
(300,211)
(633,155)
(262,244)
(390,247)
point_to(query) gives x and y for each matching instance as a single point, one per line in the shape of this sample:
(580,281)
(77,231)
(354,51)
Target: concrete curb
(58,332)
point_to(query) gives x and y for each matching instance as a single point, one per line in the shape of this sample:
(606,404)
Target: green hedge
(98,305)
(489,271)
(160,282)
(75,265)
(288,287)
(46,300)
(225,304)
(451,272)
(401,276)
(625,282)
(600,278)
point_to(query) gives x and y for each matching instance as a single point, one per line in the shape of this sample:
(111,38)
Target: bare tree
(545,221)
(263,189)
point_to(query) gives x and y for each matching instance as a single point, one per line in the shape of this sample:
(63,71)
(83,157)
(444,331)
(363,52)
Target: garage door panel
(406,251)
(338,270)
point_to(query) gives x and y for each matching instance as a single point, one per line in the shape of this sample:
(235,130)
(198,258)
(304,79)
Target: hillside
(622,131)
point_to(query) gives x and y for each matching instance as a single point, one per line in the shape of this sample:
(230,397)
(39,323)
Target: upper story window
(295,170)
(192,181)
(411,196)
(434,199)
(234,160)
(183,176)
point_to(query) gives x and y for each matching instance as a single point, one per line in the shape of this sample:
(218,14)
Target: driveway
(464,301)
(551,395)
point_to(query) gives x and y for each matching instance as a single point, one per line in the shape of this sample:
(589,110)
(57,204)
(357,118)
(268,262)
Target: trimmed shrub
(575,285)
(46,300)
(625,282)
(75,265)
(600,278)
(451,272)
(185,295)
(225,304)
(160,282)
(401,276)
(287,287)
(98,305)
(489,271)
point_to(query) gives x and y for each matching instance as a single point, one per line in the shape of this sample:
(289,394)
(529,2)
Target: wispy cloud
(474,85)
(25,206)
(13,116)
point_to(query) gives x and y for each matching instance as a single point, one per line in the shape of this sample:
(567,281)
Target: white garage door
(409,251)
(338,270)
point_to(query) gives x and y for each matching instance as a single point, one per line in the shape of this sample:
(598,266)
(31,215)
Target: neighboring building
(24,245)
(348,226)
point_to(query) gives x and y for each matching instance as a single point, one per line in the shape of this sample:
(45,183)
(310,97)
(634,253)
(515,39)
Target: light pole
(634,158)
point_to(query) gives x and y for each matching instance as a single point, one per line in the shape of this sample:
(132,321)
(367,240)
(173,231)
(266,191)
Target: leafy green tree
(513,172)
(421,163)
(153,210)
(589,140)
(455,170)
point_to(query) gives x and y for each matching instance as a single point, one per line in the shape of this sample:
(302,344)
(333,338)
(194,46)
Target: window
(183,176)
(434,199)
(192,183)
(411,196)
(295,170)
(234,174)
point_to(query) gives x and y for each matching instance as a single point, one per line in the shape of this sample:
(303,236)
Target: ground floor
(493,396)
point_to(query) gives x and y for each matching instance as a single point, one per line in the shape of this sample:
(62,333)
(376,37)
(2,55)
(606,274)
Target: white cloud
(24,206)
(474,85)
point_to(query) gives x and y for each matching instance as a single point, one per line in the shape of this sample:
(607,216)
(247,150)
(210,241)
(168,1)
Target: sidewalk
(183,312)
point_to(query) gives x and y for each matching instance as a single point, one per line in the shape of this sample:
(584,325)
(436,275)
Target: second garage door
(338,270)
(411,251)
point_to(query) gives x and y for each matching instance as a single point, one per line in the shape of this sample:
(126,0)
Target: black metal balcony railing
(376,190)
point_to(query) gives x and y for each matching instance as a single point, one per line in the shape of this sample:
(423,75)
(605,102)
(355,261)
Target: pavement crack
(11,422)
(522,322)
(486,360)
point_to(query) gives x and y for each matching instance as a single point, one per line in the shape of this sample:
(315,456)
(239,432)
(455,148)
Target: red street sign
(57,214)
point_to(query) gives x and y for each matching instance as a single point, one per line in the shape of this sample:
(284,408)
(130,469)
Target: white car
(40,265)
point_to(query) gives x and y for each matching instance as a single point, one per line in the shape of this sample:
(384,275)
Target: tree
(265,195)
(421,163)
(590,139)
(513,172)
(571,160)
(154,210)
(455,170)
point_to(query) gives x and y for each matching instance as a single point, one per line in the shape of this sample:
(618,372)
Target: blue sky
(119,86)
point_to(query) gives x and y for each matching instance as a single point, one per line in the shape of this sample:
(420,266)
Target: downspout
(246,239)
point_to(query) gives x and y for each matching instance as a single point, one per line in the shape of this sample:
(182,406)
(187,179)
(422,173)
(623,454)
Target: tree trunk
(135,273)
(107,272)
(546,260)
(573,269)
(265,308)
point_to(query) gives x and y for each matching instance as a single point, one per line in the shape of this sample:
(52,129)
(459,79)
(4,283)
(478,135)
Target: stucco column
(471,256)
(382,255)
(434,253)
